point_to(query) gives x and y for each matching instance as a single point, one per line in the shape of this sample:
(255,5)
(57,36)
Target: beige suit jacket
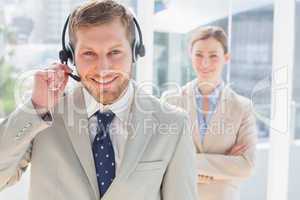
(232,123)
(157,163)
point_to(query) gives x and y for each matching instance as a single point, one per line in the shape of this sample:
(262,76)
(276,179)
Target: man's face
(103,60)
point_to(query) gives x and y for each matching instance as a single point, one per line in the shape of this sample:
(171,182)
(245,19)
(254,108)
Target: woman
(223,123)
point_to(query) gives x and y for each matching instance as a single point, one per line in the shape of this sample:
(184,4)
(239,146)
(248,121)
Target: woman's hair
(207,32)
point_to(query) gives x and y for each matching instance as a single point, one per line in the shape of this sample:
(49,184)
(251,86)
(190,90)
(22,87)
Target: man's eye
(115,52)
(213,56)
(88,53)
(199,55)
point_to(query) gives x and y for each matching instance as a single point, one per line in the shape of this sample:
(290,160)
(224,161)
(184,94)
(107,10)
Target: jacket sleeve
(221,166)
(180,178)
(17,132)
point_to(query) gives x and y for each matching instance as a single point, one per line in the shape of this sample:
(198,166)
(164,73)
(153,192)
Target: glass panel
(30,38)
(294,163)
(172,64)
(251,49)
(132,4)
(251,62)
(296,81)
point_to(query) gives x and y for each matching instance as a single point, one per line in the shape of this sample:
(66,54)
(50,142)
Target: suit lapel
(191,107)
(140,129)
(76,122)
(219,118)
(221,115)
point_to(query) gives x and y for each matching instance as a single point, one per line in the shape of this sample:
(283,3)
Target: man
(107,139)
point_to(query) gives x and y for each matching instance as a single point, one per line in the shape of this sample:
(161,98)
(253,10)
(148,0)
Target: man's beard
(107,96)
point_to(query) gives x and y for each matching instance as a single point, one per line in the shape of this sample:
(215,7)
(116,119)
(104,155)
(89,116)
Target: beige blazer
(154,166)
(232,123)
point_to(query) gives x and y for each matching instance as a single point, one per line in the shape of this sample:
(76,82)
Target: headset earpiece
(134,51)
(71,54)
(67,52)
(66,55)
(142,50)
(138,47)
(63,56)
(138,50)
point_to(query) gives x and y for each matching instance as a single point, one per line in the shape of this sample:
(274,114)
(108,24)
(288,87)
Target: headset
(67,52)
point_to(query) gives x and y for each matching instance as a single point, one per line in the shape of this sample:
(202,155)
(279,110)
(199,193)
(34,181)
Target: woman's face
(208,60)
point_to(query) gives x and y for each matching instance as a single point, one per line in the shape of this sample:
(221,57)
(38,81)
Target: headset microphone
(63,59)
(66,54)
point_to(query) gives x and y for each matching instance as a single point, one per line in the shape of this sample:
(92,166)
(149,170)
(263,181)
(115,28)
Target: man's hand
(49,86)
(204,179)
(237,150)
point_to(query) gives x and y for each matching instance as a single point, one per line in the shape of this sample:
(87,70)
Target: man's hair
(207,32)
(98,12)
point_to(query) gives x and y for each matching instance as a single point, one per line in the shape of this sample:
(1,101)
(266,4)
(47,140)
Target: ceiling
(182,16)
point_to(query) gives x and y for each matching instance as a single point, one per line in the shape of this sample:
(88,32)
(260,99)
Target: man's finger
(63,85)
(65,68)
(58,66)
(41,75)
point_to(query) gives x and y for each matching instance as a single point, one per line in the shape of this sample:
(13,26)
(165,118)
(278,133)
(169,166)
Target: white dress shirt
(117,130)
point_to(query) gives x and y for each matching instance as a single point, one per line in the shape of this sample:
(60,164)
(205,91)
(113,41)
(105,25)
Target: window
(171,60)
(30,38)
(296,81)
(30,35)
(251,63)
(250,26)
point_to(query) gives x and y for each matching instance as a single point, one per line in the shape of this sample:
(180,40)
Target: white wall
(256,187)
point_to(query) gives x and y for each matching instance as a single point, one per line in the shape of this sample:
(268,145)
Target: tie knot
(105,118)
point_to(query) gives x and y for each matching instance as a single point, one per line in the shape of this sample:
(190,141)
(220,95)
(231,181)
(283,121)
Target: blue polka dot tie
(103,152)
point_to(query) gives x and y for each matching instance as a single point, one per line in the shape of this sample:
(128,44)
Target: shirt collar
(214,96)
(121,107)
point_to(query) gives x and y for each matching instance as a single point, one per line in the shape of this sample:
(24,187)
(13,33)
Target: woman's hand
(237,150)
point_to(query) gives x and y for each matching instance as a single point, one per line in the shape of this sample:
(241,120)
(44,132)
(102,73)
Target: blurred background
(30,38)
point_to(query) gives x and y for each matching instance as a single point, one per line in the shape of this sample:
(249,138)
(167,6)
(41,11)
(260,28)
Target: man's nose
(102,64)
